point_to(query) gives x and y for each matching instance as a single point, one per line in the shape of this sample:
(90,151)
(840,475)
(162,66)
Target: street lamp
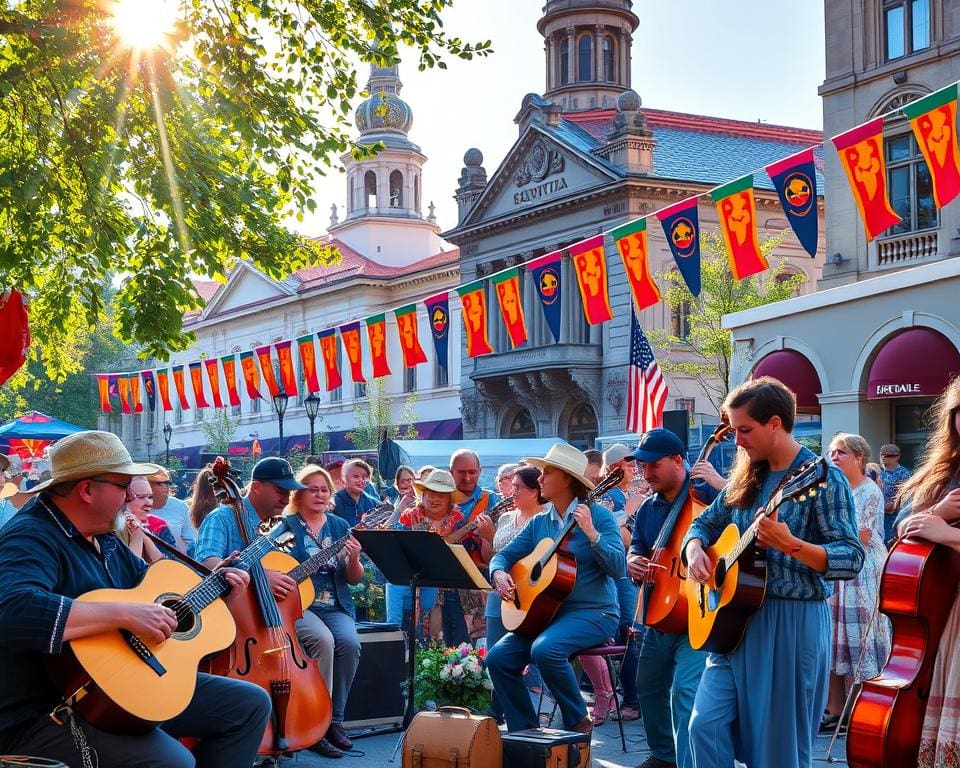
(312,404)
(149,439)
(167,434)
(280,406)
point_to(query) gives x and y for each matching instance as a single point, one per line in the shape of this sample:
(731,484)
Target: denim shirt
(44,563)
(598,564)
(654,512)
(334,528)
(219,535)
(346,508)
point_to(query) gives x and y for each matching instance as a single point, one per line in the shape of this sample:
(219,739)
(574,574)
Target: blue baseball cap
(656,444)
(277,471)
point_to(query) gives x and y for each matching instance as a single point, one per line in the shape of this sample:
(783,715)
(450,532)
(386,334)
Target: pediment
(246,286)
(539,170)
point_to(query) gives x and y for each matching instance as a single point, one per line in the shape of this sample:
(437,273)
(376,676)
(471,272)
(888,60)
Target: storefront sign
(897,390)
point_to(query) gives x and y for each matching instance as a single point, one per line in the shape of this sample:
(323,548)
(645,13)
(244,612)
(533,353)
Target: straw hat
(567,459)
(440,481)
(9,490)
(87,454)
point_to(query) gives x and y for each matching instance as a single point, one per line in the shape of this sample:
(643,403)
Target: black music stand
(419,559)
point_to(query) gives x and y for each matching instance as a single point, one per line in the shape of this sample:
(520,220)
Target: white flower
(426,663)
(445,673)
(488,684)
(457,671)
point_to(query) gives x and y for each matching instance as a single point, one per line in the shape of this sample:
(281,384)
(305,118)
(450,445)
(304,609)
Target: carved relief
(541,162)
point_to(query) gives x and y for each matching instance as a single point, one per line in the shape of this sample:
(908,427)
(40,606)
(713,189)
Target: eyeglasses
(315,491)
(114,483)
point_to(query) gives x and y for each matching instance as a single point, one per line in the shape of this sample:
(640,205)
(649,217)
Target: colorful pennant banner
(308,362)
(266,369)
(350,336)
(229,365)
(181,387)
(288,376)
(103,388)
(738,222)
(213,377)
(163,387)
(934,122)
(681,225)
(473,300)
(631,242)
(377,336)
(196,379)
(438,312)
(331,359)
(150,388)
(413,353)
(795,179)
(590,264)
(546,277)
(251,376)
(123,384)
(507,285)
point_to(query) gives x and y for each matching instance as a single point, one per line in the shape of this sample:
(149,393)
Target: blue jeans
(627,598)
(400,606)
(667,679)
(551,652)
(330,638)
(228,716)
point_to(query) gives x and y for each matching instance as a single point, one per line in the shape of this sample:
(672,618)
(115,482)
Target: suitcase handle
(454,711)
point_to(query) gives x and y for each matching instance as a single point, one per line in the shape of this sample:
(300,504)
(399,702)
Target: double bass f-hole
(300,662)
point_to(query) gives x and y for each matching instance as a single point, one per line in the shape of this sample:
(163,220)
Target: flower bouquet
(452,677)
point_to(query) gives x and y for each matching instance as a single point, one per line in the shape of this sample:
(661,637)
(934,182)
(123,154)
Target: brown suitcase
(452,737)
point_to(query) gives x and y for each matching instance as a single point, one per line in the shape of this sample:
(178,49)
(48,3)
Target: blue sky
(741,59)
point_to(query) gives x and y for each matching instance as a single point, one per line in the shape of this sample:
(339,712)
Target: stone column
(623,60)
(548,55)
(598,54)
(571,55)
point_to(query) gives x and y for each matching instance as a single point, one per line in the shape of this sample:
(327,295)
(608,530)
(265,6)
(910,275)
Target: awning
(798,373)
(916,363)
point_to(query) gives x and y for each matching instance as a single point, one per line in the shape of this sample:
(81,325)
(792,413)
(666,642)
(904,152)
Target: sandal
(602,708)
(627,713)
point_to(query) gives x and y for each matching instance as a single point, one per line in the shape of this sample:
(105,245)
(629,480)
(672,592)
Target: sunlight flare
(144,24)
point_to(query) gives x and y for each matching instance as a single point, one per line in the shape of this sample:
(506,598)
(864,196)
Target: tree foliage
(705,353)
(219,429)
(152,167)
(374,421)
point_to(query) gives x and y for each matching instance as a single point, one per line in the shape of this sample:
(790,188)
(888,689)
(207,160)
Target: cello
(266,651)
(663,601)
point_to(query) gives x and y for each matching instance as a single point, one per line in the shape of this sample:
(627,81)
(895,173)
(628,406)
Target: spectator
(594,464)
(892,475)
(335,470)
(175,512)
(505,479)
(136,518)
(354,501)
(202,499)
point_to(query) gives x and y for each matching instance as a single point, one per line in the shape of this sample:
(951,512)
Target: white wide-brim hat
(88,454)
(440,481)
(567,459)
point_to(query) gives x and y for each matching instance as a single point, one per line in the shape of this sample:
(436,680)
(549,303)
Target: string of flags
(932,118)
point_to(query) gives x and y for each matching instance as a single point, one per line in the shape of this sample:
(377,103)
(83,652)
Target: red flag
(181,387)
(862,157)
(507,285)
(350,336)
(738,221)
(287,374)
(229,364)
(473,300)
(123,385)
(590,264)
(266,367)
(251,376)
(413,353)
(196,379)
(331,358)
(163,387)
(308,362)
(646,389)
(103,385)
(934,122)
(135,401)
(631,241)
(213,375)
(377,336)
(15,339)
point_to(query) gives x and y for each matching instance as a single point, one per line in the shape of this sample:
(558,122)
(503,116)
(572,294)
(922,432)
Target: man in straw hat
(59,546)
(589,614)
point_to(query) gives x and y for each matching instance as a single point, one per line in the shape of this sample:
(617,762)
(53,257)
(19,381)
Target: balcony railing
(904,249)
(538,358)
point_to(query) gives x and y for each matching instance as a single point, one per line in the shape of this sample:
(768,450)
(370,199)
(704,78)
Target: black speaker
(378,696)
(678,422)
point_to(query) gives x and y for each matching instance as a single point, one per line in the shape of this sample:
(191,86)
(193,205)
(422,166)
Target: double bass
(266,651)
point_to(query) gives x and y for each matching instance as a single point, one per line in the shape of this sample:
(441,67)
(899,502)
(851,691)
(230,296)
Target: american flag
(646,389)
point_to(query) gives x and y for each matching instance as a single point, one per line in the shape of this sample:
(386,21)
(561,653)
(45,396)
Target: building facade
(590,157)
(893,297)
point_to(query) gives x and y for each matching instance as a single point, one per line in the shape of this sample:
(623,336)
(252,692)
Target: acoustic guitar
(457,536)
(547,575)
(124,684)
(718,611)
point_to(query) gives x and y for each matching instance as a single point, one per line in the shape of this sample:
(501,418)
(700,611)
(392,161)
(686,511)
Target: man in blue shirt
(669,669)
(62,545)
(892,475)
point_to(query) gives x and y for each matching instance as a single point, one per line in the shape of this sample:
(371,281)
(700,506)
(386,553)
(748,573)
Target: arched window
(370,188)
(608,59)
(396,189)
(585,59)
(582,428)
(680,320)
(521,425)
(564,61)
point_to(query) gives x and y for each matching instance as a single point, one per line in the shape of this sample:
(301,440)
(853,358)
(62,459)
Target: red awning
(916,363)
(798,373)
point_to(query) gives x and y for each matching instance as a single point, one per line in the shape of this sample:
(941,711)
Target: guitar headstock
(804,483)
(608,482)
(225,487)
(277,533)
(374,518)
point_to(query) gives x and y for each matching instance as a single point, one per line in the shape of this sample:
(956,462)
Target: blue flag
(681,225)
(438,312)
(795,179)
(546,276)
(150,387)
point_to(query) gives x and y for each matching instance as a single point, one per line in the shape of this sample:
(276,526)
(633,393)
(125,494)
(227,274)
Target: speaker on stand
(378,697)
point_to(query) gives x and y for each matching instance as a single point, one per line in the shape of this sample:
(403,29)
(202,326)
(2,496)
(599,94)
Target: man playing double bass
(669,669)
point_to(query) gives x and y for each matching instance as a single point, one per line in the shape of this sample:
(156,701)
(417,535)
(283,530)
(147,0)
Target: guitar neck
(750,534)
(317,560)
(494,513)
(215,585)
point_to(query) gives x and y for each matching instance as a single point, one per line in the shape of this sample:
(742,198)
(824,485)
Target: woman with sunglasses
(135,519)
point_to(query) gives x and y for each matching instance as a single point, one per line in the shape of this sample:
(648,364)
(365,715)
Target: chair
(610,653)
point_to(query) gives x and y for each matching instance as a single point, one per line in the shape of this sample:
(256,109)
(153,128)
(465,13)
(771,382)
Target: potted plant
(452,677)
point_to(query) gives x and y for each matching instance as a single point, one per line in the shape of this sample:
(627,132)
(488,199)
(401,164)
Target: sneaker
(338,737)
(325,749)
(584,726)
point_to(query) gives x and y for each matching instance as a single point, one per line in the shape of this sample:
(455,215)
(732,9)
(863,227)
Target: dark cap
(656,444)
(277,471)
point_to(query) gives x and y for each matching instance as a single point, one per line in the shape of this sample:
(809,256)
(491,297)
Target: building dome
(384,111)
(473,158)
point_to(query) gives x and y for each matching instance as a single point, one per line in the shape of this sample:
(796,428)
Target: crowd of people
(100,519)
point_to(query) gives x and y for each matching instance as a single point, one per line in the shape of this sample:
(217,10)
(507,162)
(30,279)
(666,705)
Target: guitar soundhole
(535,572)
(720,575)
(186,618)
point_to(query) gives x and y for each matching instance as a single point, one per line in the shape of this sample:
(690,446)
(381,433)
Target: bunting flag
(590,264)
(350,336)
(507,285)
(473,299)
(681,225)
(229,365)
(103,387)
(213,376)
(308,362)
(438,311)
(795,179)
(266,369)
(163,387)
(862,157)
(196,379)
(113,386)
(251,376)
(331,365)
(409,337)
(377,336)
(934,122)
(737,210)
(181,386)
(631,242)
(123,386)
(546,277)
(288,376)
(135,402)
(150,387)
